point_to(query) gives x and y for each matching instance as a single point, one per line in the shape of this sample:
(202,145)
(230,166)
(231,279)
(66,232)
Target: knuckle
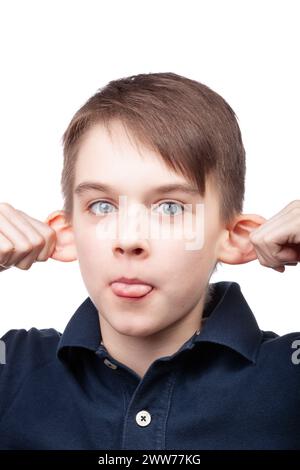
(253,237)
(296,209)
(51,233)
(263,263)
(25,248)
(295,203)
(5,205)
(267,239)
(39,242)
(7,248)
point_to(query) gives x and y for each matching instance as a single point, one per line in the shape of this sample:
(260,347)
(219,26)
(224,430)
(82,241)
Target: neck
(139,352)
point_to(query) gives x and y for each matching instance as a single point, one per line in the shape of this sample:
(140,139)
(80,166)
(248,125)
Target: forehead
(134,171)
(116,159)
(116,156)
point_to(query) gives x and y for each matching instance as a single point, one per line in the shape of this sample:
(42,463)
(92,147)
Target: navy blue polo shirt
(231,386)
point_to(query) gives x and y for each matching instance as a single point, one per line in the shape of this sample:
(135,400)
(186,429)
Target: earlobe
(65,249)
(235,246)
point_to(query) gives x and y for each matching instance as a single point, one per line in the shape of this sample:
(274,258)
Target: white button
(198,332)
(110,364)
(143,418)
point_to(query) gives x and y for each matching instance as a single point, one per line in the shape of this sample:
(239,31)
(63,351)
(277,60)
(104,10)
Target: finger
(24,240)
(20,242)
(267,262)
(280,269)
(262,259)
(6,248)
(279,244)
(285,220)
(46,232)
(293,206)
(288,213)
(37,241)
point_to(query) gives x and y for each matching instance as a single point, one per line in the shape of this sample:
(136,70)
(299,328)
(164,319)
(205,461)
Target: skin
(138,333)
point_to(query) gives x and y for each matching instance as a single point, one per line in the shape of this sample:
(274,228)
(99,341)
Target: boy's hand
(277,241)
(23,240)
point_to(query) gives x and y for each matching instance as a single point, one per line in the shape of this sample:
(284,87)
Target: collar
(229,321)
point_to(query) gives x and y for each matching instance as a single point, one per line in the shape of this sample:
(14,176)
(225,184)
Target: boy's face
(179,275)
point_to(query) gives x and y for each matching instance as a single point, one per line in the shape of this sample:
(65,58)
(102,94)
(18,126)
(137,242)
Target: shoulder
(280,354)
(32,347)
(271,340)
(24,353)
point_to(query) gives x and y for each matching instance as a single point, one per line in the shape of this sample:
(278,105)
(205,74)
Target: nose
(130,248)
(132,239)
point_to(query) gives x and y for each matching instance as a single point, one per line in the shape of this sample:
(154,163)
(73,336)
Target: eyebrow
(87,186)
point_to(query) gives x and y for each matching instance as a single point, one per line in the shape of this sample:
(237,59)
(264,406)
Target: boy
(155,357)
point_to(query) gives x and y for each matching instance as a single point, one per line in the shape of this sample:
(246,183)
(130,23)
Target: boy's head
(136,134)
(191,127)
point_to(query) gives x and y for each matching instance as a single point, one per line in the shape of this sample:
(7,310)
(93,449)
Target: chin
(138,329)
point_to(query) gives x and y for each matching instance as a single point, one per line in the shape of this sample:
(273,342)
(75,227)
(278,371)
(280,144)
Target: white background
(56,54)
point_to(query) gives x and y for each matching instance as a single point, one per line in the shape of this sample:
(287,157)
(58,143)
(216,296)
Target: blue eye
(102,204)
(170,203)
(105,204)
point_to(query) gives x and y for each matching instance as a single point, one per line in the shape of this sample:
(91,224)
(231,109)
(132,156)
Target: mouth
(132,289)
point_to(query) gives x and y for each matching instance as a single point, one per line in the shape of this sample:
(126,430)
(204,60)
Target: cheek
(190,279)
(92,253)
(86,245)
(182,270)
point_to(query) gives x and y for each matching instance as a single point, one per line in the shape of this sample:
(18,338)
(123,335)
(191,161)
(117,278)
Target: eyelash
(103,200)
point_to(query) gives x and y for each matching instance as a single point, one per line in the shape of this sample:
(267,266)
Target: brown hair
(192,127)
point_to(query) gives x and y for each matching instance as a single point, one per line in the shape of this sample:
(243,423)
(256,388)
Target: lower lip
(134,299)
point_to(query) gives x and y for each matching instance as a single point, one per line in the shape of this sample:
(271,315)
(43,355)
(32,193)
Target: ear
(65,249)
(235,247)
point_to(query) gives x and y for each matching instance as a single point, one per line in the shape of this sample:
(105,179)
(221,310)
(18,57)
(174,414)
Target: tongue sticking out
(130,290)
